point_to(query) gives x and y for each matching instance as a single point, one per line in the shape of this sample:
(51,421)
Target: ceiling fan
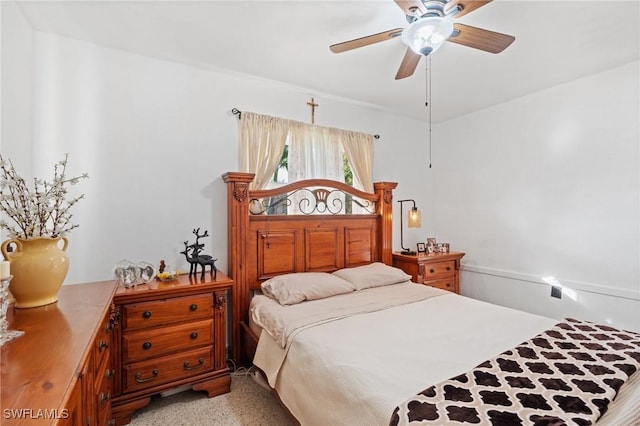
(430,25)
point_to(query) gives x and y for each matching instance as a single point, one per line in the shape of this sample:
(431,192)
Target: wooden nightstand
(440,270)
(170,334)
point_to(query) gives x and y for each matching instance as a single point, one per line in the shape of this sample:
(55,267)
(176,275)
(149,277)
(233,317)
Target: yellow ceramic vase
(39,266)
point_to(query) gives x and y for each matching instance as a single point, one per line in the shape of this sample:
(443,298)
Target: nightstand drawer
(145,344)
(445,284)
(167,311)
(437,269)
(171,368)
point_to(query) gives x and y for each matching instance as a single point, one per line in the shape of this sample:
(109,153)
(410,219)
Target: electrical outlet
(556,291)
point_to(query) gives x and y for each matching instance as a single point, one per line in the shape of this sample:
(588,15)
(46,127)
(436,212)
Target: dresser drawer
(145,344)
(145,374)
(167,311)
(102,343)
(103,397)
(437,269)
(445,284)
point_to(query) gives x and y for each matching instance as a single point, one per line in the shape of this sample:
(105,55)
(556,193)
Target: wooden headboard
(265,241)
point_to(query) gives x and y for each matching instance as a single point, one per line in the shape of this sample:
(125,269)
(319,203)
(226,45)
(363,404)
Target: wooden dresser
(60,371)
(101,351)
(170,334)
(440,270)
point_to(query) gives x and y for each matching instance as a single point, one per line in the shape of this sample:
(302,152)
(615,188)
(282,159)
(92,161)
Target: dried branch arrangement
(44,210)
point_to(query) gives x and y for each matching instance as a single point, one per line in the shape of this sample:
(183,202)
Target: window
(281,176)
(280,150)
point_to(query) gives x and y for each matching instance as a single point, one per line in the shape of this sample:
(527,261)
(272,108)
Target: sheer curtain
(359,150)
(262,141)
(315,152)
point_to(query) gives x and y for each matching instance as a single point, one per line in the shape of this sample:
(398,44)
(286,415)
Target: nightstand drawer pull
(104,397)
(138,378)
(109,373)
(146,314)
(146,345)
(193,307)
(102,345)
(194,335)
(200,364)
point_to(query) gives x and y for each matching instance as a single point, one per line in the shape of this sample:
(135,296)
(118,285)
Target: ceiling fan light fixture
(426,35)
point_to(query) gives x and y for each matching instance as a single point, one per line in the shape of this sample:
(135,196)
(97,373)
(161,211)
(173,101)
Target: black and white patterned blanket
(566,375)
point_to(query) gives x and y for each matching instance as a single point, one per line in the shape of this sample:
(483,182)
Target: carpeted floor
(247,404)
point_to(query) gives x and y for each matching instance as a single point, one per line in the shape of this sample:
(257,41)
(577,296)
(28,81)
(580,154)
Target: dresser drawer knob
(448,268)
(432,270)
(193,307)
(102,345)
(146,345)
(138,377)
(188,367)
(146,314)
(194,335)
(448,285)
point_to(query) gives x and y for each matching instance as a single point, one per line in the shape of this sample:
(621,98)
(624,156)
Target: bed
(371,354)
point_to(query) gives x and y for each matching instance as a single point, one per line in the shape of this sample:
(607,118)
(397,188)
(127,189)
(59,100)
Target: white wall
(16,87)
(548,186)
(155,137)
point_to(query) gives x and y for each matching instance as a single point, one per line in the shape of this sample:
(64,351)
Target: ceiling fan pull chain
(428,100)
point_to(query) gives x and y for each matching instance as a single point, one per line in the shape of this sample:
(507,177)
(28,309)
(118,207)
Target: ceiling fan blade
(365,41)
(478,38)
(408,65)
(408,5)
(467,6)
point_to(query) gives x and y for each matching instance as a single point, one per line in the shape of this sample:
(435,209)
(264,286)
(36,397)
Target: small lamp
(414,221)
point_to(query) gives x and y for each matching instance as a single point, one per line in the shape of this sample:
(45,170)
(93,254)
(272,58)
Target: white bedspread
(355,370)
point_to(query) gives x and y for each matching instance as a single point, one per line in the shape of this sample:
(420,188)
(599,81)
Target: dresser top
(38,369)
(182,285)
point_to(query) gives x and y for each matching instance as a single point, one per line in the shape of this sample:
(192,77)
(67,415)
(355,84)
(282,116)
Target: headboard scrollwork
(308,201)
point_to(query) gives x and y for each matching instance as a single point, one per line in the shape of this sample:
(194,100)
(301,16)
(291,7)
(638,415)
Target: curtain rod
(236,111)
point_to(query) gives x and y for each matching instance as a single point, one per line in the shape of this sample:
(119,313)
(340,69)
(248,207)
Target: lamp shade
(415,218)
(426,35)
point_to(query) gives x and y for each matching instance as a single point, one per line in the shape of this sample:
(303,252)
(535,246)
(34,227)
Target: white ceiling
(288,41)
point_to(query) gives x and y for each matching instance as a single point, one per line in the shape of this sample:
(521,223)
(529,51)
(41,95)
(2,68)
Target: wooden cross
(313,106)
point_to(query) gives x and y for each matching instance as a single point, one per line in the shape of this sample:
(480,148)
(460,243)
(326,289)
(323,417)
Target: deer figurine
(202,259)
(192,262)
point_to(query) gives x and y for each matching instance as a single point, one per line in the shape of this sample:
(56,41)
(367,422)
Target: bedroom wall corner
(548,186)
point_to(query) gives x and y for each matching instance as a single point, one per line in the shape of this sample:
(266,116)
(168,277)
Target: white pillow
(372,275)
(290,289)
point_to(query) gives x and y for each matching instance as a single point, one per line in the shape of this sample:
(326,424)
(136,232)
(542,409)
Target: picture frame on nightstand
(422,248)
